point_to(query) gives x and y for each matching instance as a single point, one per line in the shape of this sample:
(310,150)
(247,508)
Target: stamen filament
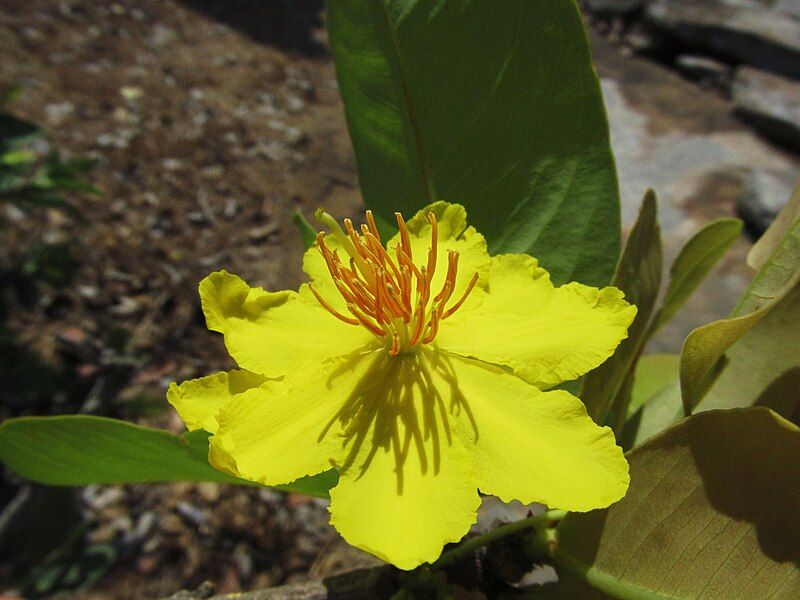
(330,309)
(390,297)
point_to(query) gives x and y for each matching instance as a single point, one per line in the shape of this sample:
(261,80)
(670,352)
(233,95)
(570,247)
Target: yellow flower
(417,369)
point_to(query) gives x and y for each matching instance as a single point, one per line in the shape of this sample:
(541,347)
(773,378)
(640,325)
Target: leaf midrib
(413,117)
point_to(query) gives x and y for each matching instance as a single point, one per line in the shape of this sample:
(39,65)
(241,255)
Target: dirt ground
(212,122)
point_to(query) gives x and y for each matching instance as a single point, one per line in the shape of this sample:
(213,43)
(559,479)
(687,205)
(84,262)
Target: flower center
(389,295)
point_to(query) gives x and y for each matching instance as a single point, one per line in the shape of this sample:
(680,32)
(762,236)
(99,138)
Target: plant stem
(470,546)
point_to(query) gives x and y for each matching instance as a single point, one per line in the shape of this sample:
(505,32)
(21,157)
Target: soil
(213,122)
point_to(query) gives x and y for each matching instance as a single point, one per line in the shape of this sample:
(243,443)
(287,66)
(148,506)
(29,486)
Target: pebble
(702,68)
(57,112)
(294,104)
(99,498)
(126,306)
(260,234)
(192,514)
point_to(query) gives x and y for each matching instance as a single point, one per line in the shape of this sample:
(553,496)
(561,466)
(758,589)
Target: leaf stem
(470,546)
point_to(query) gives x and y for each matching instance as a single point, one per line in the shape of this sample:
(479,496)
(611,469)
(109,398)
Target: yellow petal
(284,430)
(533,446)
(275,333)
(454,234)
(545,334)
(199,400)
(406,487)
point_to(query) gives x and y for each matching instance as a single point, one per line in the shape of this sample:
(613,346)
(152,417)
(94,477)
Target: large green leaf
(82,449)
(693,263)
(712,512)
(638,274)
(494,106)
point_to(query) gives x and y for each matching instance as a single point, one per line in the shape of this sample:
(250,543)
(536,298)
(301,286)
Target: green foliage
(307,233)
(774,288)
(30,181)
(711,512)
(638,274)
(695,260)
(498,110)
(81,449)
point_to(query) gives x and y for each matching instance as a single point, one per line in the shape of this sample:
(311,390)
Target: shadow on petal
(403,403)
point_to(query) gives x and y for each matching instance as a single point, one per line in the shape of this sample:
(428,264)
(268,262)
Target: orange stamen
(330,309)
(404,241)
(461,300)
(380,291)
(373,227)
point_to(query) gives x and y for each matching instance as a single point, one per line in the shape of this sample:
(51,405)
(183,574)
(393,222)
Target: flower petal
(275,333)
(287,429)
(545,334)
(406,487)
(533,446)
(199,400)
(453,234)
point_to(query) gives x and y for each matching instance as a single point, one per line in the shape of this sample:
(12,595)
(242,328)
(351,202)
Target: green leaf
(712,512)
(703,349)
(763,367)
(779,275)
(660,412)
(307,233)
(638,274)
(654,373)
(766,245)
(82,449)
(655,399)
(499,110)
(694,262)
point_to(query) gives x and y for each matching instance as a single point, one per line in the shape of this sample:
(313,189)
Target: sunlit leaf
(711,513)
(703,350)
(498,110)
(693,263)
(82,449)
(763,367)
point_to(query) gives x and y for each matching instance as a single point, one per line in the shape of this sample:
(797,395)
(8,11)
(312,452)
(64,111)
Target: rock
(743,31)
(126,306)
(614,7)
(790,7)
(703,68)
(192,514)
(770,103)
(764,194)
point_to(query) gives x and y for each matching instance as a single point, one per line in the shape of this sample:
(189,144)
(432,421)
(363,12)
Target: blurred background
(144,144)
